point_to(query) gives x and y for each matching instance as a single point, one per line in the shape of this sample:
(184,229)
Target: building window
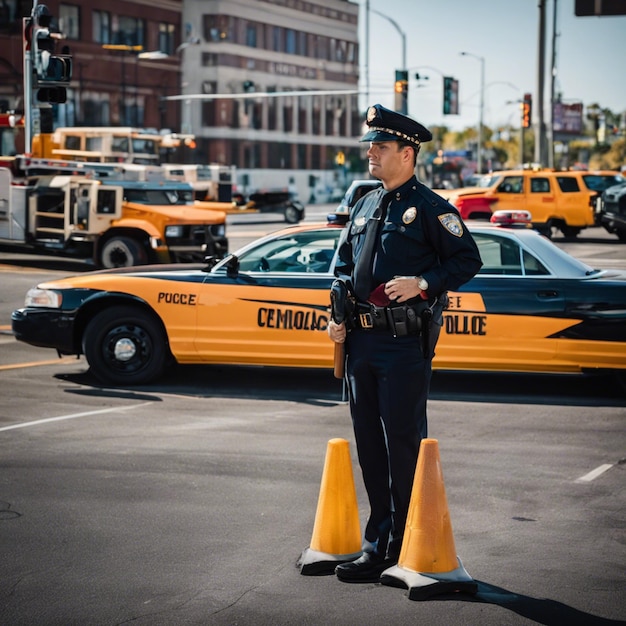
(128,31)
(290,41)
(217,28)
(303,49)
(209,59)
(69,21)
(251,36)
(277,39)
(352,53)
(96,112)
(166,38)
(101,26)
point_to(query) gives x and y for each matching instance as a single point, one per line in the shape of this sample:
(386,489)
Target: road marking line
(73,416)
(593,474)
(15,366)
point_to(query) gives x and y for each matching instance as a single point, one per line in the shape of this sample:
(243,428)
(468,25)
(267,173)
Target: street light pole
(479,150)
(400,32)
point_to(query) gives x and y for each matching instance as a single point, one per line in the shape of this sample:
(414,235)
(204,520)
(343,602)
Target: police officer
(402,249)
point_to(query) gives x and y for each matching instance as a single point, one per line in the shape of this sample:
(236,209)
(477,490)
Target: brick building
(130,56)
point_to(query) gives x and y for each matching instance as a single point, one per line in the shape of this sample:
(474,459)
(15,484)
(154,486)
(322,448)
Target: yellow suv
(556,200)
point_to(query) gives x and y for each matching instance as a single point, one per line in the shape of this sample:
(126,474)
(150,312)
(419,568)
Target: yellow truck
(65,208)
(556,200)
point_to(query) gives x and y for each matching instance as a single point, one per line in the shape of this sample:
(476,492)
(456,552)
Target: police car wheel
(122,252)
(125,346)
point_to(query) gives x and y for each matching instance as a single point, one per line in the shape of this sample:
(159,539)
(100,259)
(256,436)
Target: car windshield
(306,252)
(487,180)
(159,197)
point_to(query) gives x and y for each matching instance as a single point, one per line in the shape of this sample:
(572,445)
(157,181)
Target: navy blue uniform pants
(388,381)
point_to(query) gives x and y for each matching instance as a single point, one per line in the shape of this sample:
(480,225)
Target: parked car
(356,190)
(532,308)
(280,201)
(611,210)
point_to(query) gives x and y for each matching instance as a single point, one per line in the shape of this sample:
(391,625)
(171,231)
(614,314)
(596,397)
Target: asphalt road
(190,501)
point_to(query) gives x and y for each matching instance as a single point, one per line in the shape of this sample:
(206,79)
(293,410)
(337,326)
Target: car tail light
(512,218)
(473,207)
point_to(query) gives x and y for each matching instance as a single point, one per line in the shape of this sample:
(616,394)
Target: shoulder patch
(452,223)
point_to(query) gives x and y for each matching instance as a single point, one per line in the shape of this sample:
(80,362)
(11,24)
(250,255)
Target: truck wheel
(570,231)
(293,214)
(122,252)
(124,346)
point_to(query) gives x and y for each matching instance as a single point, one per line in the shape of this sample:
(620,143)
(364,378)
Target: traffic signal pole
(28,82)
(46,73)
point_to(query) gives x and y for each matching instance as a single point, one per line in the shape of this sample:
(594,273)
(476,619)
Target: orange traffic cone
(336,532)
(428,564)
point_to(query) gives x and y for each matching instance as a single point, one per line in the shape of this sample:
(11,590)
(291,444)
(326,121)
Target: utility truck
(94,211)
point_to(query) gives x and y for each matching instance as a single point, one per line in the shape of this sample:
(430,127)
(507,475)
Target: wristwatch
(422,283)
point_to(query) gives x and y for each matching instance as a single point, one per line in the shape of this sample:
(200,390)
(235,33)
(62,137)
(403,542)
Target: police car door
(270,305)
(506,318)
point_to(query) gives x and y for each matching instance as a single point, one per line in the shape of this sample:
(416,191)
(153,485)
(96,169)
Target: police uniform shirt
(423,235)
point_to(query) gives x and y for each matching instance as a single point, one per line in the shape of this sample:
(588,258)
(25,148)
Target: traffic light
(450,96)
(527,110)
(53,72)
(401,88)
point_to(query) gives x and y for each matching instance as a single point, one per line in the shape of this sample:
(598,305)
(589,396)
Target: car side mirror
(232,266)
(211,262)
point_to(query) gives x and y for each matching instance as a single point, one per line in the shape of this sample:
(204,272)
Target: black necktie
(363,267)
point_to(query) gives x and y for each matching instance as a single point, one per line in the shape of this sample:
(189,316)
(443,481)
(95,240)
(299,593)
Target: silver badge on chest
(409,215)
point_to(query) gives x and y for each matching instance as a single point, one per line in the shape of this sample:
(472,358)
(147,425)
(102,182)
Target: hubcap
(124,349)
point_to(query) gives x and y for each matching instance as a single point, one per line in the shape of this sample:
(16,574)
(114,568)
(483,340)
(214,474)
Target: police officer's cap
(387,125)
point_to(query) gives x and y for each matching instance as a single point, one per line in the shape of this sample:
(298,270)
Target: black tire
(293,214)
(620,378)
(125,346)
(122,252)
(570,231)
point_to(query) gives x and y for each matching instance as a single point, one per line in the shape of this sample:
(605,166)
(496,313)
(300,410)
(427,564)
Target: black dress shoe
(366,569)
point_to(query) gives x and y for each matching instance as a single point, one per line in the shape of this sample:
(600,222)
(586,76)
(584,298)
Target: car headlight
(43,298)
(174,231)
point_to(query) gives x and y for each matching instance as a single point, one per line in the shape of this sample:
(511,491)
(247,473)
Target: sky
(590,56)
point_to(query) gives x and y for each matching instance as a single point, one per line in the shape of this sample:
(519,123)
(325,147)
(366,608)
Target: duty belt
(401,320)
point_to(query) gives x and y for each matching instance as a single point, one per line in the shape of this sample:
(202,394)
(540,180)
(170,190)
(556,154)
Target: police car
(532,308)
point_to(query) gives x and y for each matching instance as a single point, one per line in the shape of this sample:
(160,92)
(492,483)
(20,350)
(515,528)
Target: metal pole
(482,111)
(402,34)
(28,92)
(520,103)
(540,151)
(367,53)
(552,88)
(479,147)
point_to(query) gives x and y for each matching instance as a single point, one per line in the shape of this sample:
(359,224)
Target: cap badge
(409,215)
(371,114)
(452,223)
